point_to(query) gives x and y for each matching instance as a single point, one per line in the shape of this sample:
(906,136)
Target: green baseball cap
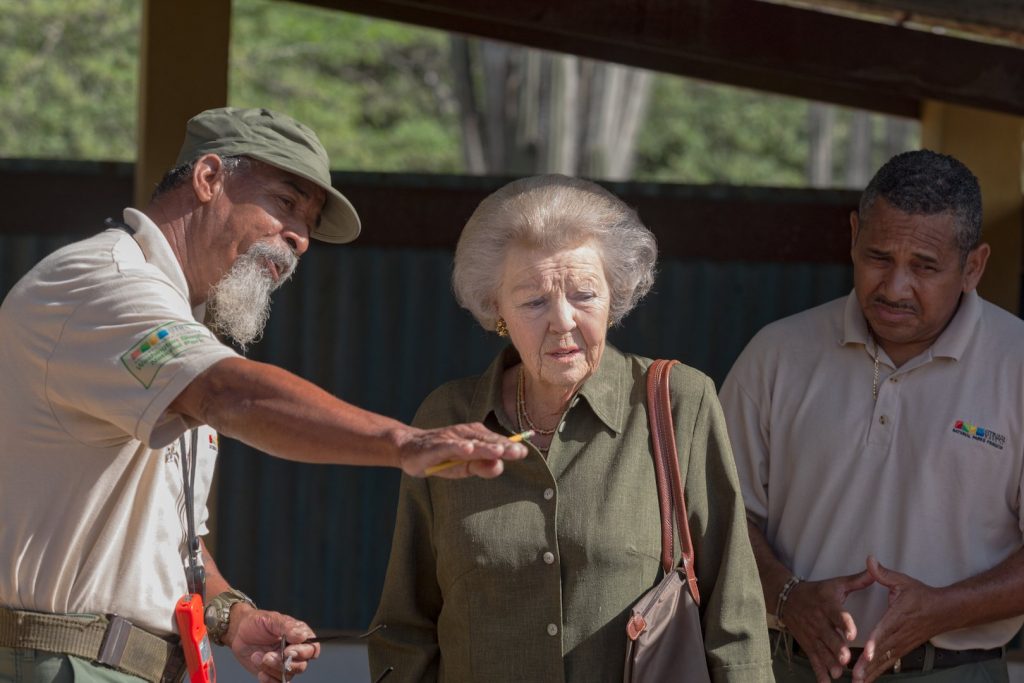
(281,141)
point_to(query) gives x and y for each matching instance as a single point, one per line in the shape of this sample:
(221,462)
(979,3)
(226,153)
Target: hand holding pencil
(457,451)
(515,438)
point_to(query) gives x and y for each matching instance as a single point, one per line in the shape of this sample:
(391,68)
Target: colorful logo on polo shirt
(982,434)
(148,343)
(164,342)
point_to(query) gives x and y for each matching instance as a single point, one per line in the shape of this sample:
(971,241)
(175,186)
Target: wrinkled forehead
(884,223)
(530,266)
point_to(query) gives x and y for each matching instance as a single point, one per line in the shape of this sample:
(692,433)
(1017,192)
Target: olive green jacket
(529,577)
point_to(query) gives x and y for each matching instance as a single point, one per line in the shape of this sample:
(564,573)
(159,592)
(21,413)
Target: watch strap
(218,613)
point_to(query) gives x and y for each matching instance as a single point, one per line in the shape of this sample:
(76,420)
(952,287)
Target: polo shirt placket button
(549,558)
(882,419)
(552,630)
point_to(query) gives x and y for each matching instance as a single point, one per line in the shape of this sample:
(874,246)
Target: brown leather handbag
(666,642)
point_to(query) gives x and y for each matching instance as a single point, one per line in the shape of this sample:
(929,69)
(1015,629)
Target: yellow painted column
(183,69)
(183,62)
(990,144)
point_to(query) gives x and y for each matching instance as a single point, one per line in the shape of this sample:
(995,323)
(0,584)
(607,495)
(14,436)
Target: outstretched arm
(286,416)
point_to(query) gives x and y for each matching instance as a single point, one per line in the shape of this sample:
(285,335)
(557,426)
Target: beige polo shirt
(927,478)
(95,343)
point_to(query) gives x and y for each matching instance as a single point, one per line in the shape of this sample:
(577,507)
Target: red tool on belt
(194,639)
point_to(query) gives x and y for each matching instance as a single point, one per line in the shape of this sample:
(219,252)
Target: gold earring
(501,328)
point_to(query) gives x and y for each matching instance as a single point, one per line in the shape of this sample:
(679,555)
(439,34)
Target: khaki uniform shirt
(95,343)
(530,576)
(927,477)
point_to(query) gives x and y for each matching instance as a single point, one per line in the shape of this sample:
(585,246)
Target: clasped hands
(817,620)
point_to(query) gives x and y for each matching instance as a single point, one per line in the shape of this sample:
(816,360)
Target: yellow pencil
(521,436)
(434,469)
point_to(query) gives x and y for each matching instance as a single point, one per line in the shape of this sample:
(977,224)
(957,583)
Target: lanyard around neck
(195,574)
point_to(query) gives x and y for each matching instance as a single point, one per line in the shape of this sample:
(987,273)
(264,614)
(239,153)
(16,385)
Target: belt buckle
(115,639)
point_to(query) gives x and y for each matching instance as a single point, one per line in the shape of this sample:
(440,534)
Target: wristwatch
(218,613)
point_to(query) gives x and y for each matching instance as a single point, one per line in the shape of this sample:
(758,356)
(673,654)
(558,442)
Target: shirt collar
(158,252)
(954,339)
(605,391)
(487,396)
(855,328)
(952,342)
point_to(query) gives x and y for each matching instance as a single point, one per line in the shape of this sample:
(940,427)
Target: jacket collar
(606,392)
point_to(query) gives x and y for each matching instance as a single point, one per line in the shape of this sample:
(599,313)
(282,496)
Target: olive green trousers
(35,666)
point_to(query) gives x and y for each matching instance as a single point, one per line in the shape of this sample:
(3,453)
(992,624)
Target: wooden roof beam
(746,43)
(1000,15)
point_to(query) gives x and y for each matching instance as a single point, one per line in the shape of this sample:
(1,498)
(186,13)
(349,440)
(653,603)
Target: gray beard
(239,305)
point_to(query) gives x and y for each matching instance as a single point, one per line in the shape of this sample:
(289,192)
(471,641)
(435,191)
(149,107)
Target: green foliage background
(68,78)
(374,91)
(705,133)
(379,94)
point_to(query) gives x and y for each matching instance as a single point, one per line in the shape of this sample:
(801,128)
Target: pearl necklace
(522,415)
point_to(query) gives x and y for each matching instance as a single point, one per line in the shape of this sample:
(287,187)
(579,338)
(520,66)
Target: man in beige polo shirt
(879,440)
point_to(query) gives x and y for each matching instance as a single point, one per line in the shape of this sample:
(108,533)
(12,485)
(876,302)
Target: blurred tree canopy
(68,78)
(378,93)
(385,96)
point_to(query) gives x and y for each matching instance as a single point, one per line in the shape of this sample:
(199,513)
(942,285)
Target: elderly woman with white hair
(530,577)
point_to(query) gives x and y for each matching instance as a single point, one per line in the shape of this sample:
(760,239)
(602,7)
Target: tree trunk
(543,112)
(563,146)
(498,107)
(636,95)
(821,121)
(469,111)
(858,161)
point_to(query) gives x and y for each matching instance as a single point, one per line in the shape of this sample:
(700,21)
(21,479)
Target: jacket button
(549,558)
(552,630)
(549,494)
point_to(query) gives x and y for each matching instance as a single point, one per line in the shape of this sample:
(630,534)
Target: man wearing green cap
(115,380)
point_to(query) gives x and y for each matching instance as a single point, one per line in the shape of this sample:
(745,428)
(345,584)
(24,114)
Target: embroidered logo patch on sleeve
(160,345)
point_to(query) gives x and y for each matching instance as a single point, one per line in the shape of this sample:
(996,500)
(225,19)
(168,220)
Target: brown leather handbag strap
(666,468)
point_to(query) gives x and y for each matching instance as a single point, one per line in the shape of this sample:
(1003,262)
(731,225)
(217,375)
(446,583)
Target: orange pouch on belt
(194,639)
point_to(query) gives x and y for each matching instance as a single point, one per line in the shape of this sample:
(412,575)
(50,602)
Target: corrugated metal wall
(380,328)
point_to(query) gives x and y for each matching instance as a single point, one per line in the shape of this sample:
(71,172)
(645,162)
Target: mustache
(895,305)
(285,260)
